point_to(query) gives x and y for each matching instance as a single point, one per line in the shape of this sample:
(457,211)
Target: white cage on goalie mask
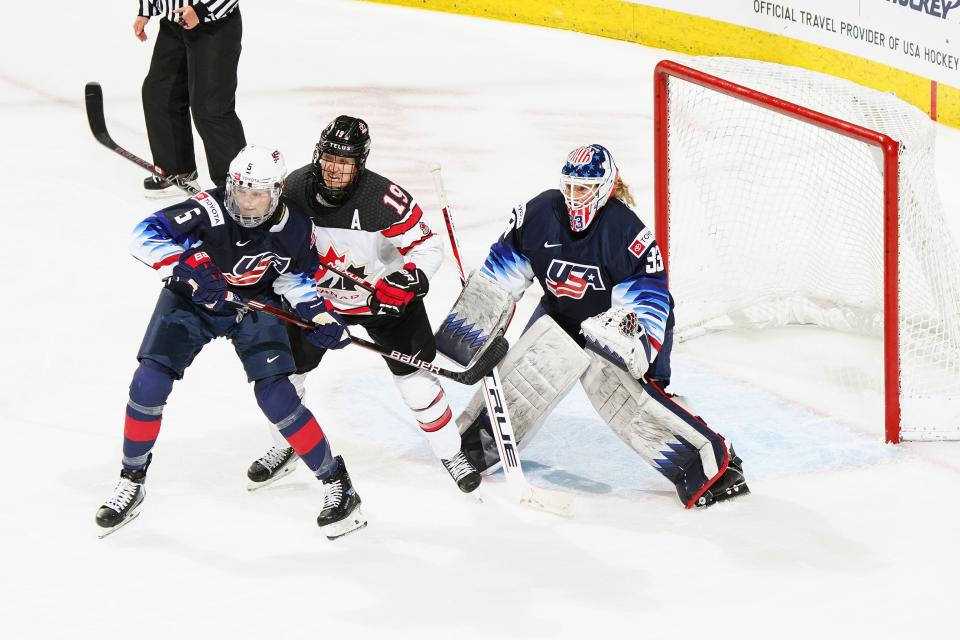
(771,210)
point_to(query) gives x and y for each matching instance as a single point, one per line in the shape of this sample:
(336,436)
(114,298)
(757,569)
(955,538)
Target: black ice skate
(272,466)
(157,187)
(341,505)
(462,472)
(124,505)
(730,485)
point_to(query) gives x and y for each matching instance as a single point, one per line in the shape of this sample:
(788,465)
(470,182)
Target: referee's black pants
(196,71)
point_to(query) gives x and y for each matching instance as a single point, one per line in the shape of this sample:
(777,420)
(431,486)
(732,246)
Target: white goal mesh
(773,220)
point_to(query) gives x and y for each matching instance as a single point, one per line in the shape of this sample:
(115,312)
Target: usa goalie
(605,318)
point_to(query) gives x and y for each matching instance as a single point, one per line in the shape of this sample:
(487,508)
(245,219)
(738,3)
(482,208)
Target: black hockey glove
(394,291)
(204,277)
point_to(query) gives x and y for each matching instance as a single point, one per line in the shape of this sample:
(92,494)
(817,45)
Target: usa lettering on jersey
(571,279)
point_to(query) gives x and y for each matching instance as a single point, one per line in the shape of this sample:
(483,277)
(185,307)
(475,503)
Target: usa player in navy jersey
(243,240)
(606,317)
(373,228)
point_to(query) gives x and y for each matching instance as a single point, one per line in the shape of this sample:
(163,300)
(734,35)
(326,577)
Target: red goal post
(668,71)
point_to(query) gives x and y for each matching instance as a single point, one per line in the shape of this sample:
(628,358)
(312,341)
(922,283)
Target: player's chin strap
(495,353)
(553,501)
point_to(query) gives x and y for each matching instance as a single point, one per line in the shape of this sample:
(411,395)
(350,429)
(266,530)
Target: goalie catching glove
(330,332)
(395,290)
(196,269)
(617,335)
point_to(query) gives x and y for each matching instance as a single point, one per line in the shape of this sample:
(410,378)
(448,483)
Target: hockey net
(787,196)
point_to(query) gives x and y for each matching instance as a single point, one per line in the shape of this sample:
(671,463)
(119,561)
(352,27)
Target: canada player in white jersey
(372,228)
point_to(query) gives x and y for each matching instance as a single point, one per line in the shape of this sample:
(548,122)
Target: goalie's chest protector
(578,271)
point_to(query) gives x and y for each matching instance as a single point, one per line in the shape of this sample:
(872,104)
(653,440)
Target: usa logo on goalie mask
(572,280)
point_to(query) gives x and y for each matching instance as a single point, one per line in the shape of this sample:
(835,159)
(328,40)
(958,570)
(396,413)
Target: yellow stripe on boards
(693,35)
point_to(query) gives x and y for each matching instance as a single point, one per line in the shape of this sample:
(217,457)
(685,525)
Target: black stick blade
(93,94)
(491,357)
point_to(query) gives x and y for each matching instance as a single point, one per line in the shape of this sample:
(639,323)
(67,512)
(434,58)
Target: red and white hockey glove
(394,291)
(204,277)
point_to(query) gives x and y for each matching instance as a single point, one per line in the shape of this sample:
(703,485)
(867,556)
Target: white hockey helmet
(587,180)
(254,184)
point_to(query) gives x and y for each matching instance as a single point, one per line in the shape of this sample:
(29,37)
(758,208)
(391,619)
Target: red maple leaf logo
(339,261)
(331,257)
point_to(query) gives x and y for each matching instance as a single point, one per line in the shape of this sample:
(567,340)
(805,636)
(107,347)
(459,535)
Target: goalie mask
(588,181)
(339,158)
(254,183)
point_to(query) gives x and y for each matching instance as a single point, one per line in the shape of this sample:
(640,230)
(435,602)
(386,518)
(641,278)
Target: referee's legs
(166,102)
(214,53)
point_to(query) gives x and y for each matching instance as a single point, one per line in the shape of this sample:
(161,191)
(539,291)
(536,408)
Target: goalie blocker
(481,312)
(543,366)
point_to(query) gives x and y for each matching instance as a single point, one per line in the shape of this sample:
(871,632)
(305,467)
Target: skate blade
(351,523)
(732,493)
(282,473)
(130,518)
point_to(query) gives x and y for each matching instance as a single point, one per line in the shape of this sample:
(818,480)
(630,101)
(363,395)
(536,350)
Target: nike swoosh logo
(243,244)
(547,245)
(269,360)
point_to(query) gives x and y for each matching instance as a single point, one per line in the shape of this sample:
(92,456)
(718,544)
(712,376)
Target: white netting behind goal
(776,221)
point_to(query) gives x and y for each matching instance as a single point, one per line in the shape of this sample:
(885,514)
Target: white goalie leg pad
(645,425)
(537,372)
(421,391)
(481,312)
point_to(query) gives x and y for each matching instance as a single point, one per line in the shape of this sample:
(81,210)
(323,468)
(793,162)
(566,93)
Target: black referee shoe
(157,187)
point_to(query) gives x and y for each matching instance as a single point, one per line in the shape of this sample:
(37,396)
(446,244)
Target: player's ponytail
(621,191)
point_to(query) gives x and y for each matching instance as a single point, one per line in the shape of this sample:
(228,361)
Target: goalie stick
(556,502)
(498,348)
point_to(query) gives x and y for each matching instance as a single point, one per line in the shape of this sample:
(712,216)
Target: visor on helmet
(254,184)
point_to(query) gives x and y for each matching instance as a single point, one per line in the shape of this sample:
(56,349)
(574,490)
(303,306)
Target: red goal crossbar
(890,149)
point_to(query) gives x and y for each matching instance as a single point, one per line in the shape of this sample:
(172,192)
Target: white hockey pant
(421,391)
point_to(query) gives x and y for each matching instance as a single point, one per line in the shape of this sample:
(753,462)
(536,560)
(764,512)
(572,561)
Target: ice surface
(843,535)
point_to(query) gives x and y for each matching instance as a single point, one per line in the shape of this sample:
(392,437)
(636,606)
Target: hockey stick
(495,352)
(93,94)
(556,502)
